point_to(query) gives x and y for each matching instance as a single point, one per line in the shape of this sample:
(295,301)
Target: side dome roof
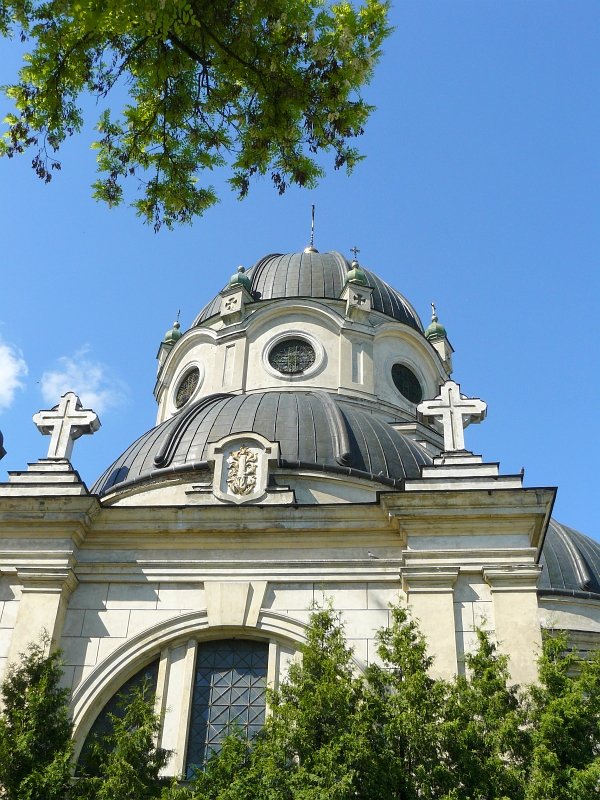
(316,275)
(315,430)
(570,563)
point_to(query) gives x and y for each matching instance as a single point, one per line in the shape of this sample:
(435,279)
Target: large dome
(315,430)
(570,563)
(316,275)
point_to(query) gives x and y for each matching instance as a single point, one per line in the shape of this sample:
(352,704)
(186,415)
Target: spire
(436,335)
(311,247)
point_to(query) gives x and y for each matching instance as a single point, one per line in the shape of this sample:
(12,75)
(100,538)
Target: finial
(241,269)
(435,330)
(173,334)
(356,251)
(311,247)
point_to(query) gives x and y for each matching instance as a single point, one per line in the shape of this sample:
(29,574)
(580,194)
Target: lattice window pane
(229,692)
(292,356)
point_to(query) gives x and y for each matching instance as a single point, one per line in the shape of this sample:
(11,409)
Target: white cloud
(89,379)
(12,369)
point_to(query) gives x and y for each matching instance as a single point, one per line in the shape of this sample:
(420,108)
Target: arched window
(226,691)
(230,683)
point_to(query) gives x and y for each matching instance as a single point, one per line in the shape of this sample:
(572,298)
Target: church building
(309,447)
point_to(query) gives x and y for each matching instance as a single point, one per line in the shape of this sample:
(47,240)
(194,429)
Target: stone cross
(452,408)
(64,423)
(359,299)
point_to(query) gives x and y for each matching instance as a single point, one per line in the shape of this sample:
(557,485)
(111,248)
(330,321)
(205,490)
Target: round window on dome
(187,387)
(407,383)
(292,356)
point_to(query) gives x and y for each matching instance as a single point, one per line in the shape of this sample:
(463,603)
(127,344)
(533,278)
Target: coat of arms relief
(242,468)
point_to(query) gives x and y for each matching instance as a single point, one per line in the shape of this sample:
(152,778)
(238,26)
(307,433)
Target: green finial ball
(356,274)
(435,330)
(173,334)
(240,278)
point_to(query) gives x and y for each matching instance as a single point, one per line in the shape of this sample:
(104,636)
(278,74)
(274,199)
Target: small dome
(173,334)
(570,563)
(240,278)
(316,275)
(315,430)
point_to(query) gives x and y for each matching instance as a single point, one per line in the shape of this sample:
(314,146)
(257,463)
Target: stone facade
(276,484)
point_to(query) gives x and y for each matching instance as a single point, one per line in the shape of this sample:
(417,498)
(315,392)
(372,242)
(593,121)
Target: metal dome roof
(315,430)
(571,563)
(316,275)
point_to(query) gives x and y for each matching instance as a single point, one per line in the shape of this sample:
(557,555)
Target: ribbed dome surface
(316,275)
(570,562)
(315,430)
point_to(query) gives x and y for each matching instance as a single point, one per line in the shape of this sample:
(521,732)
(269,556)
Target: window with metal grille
(292,356)
(229,694)
(116,707)
(187,387)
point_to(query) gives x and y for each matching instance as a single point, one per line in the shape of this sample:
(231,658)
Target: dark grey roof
(571,563)
(316,275)
(315,430)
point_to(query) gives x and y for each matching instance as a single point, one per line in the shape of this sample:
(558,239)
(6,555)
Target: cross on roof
(66,422)
(355,250)
(452,409)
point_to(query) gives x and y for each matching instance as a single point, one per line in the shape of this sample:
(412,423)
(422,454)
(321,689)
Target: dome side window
(407,383)
(187,387)
(292,356)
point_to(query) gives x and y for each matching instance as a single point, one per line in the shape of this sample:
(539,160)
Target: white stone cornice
(180,570)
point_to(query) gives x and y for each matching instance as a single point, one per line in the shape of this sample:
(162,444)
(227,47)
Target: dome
(316,275)
(570,563)
(315,430)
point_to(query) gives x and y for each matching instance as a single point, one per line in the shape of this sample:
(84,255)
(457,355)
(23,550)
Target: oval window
(187,387)
(292,356)
(407,383)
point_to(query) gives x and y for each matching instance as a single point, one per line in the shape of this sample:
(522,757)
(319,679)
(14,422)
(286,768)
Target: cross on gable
(359,299)
(452,409)
(66,422)
(230,303)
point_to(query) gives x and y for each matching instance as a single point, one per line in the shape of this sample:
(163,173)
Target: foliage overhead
(259,86)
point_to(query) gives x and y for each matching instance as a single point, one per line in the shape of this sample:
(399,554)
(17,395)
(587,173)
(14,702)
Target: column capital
(429,580)
(46,580)
(515,578)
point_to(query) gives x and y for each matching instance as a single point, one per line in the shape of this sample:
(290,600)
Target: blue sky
(480,190)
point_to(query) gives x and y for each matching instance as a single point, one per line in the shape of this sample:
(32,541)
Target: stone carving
(242,471)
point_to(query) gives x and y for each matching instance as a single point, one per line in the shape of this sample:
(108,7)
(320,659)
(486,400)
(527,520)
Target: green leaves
(261,87)
(35,731)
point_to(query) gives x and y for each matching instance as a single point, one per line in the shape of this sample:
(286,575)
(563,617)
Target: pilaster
(430,593)
(44,597)
(518,630)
